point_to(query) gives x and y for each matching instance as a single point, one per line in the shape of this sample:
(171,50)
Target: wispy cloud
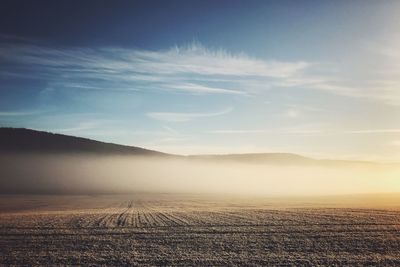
(372,131)
(266,131)
(307,108)
(197,59)
(304,132)
(299,110)
(201,89)
(190,69)
(20,113)
(83,126)
(292,113)
(193,69)
(183,117)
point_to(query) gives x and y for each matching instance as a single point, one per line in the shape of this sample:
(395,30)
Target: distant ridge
(21,140)
(276,158)
(279,159)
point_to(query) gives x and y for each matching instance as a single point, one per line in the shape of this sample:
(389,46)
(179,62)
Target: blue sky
(319,78)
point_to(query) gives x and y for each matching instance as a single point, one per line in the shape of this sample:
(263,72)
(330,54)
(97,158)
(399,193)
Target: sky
(317,78)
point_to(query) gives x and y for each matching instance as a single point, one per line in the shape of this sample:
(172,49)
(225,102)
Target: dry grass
(166,229)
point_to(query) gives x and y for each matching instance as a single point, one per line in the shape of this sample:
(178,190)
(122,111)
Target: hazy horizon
(91,174)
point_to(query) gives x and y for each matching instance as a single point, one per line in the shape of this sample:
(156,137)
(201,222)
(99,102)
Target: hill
(20,140)
(271,158)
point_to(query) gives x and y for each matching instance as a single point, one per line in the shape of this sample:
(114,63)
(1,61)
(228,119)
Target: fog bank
(81,174)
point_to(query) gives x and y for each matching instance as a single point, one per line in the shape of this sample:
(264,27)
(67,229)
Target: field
(195,230)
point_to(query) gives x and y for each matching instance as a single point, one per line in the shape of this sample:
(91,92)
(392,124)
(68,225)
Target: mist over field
(81,174)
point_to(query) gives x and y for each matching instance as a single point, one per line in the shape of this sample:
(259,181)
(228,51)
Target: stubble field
(193,230)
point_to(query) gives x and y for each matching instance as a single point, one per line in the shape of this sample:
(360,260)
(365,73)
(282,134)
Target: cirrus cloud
(183,117)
